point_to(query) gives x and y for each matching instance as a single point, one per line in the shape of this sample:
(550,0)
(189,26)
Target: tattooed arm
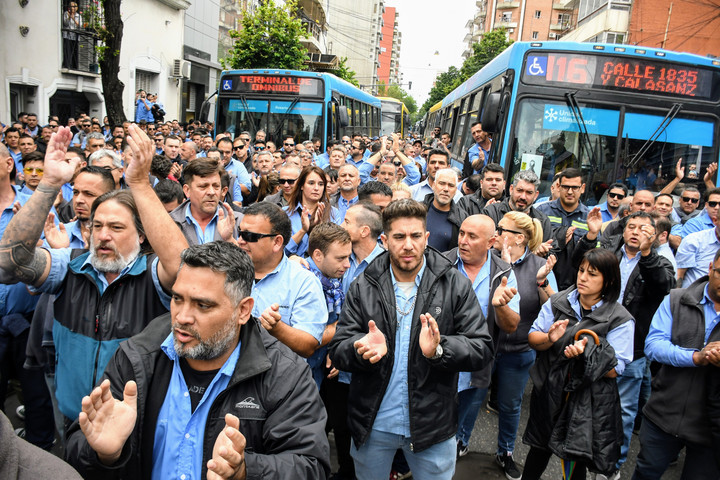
(18,255)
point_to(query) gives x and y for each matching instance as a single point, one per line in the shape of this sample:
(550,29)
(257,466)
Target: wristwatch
(438,353)
(543,284)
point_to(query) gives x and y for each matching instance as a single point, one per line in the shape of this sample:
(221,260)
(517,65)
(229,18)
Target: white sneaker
(20,412)
(612,476)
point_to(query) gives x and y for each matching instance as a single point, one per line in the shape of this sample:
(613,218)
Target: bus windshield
(391,118)
(302,120)
(547,139)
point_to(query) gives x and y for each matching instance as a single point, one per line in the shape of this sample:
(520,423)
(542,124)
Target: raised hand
(543,248)
(569,234)
(647,237)
(270,317)
(545,270)
(429,335)
(226,222)
(305,219)
(372,346)
(228,458)
(503,294)
(106,422)
(59,171)
(594,221)
(143,150)
(576,349)
(56,236)
(557,330)
(710,172)
(679,170)
(505,253)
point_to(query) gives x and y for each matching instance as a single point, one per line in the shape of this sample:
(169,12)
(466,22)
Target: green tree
(395,91)
(444,84)
(270,38)
(491,45)
(344,72)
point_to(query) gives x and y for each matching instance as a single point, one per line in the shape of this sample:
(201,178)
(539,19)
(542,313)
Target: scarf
(332,288)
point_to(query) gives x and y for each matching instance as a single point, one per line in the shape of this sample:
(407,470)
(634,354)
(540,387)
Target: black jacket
(474,203)
(285,436)
(497,210)
(432,384)
(602,416)
(649,282)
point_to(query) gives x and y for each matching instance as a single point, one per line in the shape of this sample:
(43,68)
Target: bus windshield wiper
(278,129)
(672,113)
(582,128)
(249,114)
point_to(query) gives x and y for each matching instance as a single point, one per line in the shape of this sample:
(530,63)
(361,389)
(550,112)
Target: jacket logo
(249,402)
(438,310)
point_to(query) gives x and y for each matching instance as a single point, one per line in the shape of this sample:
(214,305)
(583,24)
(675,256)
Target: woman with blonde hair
(518,236)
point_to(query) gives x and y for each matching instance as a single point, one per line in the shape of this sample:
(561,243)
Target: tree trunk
(111,36)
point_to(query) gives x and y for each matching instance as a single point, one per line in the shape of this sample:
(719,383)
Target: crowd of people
(182,303)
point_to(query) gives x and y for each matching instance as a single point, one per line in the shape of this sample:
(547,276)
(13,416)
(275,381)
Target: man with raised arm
(109,293)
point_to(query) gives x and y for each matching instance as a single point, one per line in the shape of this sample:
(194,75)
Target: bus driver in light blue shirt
(289,300)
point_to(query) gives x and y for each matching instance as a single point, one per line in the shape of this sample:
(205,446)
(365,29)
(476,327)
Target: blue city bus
(395,117)
(617,112)
(305,105)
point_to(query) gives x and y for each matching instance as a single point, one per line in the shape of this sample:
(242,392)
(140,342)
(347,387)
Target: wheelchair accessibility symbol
(536,66)
(227,85)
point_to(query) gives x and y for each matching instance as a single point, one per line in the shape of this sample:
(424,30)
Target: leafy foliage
(344,72)
(270,38)
(395,91)
(444,84)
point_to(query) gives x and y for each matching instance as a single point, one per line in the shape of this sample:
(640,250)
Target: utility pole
(667,25)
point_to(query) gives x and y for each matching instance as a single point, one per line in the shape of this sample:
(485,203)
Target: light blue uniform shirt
(238,169)
(179,434)
(620,338)
(665,251)
(74,234)
(696,253)
(299,249)
(420,190)
(322,160)
(606,215)
(206,236)
(627,265)
(343,205)
(659,347)
(356,268)
(481,287)
(363,167)
(394,413)
(695,224)
(299,294)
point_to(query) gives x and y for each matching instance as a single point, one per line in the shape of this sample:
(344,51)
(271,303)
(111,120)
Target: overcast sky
(428,27)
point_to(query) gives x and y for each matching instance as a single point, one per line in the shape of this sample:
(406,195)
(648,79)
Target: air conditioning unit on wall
(181,68)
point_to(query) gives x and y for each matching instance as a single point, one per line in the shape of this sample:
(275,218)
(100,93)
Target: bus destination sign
(273,85)
(618,73)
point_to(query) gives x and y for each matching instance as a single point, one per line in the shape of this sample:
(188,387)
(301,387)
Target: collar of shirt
(418,277)
(209,230)
(134,268)
(74,231)
(574,299)
(522,257)
(168,347)
(581,208)
(712,316)
(481,282)
(280,266)
(347,203)
(356,268)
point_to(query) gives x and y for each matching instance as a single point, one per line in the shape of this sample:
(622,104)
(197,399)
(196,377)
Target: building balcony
(560,27)
(313,10)
(468,37)
(480,3)
(507,5)
(79,51)
(508,24)
(479,18)
(562,6)
(477,36)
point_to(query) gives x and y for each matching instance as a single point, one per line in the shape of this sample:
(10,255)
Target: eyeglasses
(690,200)
(570,187)
(289,181)
(616,195)
(252,237)
(238,147)
(712,204)
(30,170)
(501,230)
(346,141)
(259,149)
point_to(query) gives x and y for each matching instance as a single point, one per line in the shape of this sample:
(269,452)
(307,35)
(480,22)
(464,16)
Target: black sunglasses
(690,200)
(712,204)
(252,237)
(500,230)
(289,181)
(238,147)
(289,144)
(616,195)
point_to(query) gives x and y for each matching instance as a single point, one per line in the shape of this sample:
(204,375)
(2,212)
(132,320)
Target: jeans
(512,371)
(629,385)
(469,403)
(658,449)
(374,459)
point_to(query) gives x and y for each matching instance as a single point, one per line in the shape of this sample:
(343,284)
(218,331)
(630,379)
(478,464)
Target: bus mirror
(204,111)
(489,118)
(343,116)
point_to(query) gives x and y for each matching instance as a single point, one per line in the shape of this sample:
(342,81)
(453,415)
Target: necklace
(409,310)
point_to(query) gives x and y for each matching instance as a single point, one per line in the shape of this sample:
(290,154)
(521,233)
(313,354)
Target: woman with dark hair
(575,406)
(308,205)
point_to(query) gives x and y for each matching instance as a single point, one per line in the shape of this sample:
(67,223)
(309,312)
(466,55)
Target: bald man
(444,216)
(642,201)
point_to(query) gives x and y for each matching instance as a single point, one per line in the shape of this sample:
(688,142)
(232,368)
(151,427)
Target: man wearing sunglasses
(33,165)
(616,194)
(642,201)
(705,220)
(288,175)
(289,301)
(288,144)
